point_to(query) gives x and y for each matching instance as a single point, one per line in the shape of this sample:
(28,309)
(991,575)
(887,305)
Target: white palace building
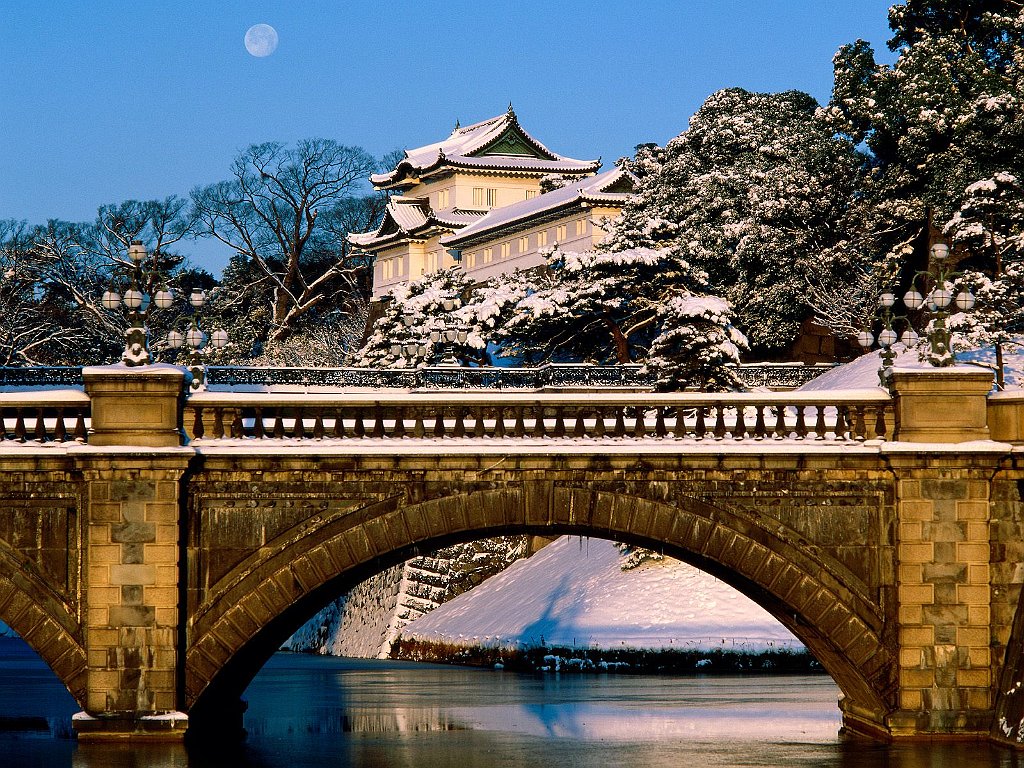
(475,200)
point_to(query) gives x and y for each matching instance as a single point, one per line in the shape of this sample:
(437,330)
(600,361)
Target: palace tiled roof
(611,188)
(412,217)
(496,144)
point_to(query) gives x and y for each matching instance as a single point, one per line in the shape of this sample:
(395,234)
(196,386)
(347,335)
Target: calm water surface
(324,712)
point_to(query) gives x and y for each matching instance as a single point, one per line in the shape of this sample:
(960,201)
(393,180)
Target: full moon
(261,40)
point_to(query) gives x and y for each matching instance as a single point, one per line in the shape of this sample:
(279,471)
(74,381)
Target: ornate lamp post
(136,348)
(196,339)
(937,302)
(450,335)
(139,304)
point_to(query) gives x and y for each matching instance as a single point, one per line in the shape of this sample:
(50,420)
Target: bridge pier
(945,630)
(132,558)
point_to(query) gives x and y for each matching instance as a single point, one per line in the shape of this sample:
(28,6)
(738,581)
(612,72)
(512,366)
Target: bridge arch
(45,621)
(248,614)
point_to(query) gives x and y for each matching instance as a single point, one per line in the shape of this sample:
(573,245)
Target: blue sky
(105,101)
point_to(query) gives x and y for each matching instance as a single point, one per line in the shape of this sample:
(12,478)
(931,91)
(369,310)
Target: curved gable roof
(498,143)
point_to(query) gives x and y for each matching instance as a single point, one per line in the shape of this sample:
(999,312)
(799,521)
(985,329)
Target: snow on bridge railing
(834,415)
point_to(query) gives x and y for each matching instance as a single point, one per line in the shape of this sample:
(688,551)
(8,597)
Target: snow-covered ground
(863,372)
(575,593)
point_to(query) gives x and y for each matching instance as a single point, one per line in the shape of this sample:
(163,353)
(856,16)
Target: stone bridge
(158,546)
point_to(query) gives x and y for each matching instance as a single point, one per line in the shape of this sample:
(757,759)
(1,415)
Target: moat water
(326,712)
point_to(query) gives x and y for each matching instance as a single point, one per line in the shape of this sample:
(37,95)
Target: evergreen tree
(635,305)
(943,136)
(753,193)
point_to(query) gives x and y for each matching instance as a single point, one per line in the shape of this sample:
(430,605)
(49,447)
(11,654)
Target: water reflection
(318,712)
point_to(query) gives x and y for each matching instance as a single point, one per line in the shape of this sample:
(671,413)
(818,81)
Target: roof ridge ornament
(511,112)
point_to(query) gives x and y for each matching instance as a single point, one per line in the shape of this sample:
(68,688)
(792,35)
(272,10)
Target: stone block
(104,554)
(911,677)
(99,534)
(98,596)
(944,531)
(133,574)
(132,532)
(911,510)
(969,552)
(133,554)
(911,657)
(910,699)
(161,554)
(979,698)
(132,490)
(917,636)
(916,553)
(979,574)
(935,573)
(911,615)
(979,615)
(161,596)
(910,489)
(973,678)
(972,510)
(978,532)
(911,532)
(977,637)
(922,594)
(104,512)
(979,657)
(132,616)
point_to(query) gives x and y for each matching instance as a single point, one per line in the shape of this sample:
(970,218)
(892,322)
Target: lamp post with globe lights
(938,301)
(196,340)
(450,335)
(139,304)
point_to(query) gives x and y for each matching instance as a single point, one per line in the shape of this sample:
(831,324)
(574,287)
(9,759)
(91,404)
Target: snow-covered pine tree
(988,231)
(753,192)
(409,332)
(633,305)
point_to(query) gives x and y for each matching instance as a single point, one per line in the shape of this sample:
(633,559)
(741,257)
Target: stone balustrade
(851,415)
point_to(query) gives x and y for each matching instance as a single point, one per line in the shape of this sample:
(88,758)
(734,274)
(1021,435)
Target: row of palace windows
(504,250)
(482,197)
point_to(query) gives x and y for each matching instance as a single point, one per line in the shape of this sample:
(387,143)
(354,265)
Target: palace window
(524,243)
(560,233)
(506,250)
(488,255)
(485,197)
(470,259)
(531,193)
(432,261)
(542,238)
(581,227)
(387,269)
(442,199)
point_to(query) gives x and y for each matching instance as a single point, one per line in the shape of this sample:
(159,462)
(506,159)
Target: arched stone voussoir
(267,604)
(47,625)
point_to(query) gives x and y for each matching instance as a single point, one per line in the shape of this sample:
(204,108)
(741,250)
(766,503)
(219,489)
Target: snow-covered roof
(412,217)
(594,190)
(498,143)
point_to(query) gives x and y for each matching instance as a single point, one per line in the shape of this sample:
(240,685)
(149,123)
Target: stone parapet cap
(120,369)
(947,375)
